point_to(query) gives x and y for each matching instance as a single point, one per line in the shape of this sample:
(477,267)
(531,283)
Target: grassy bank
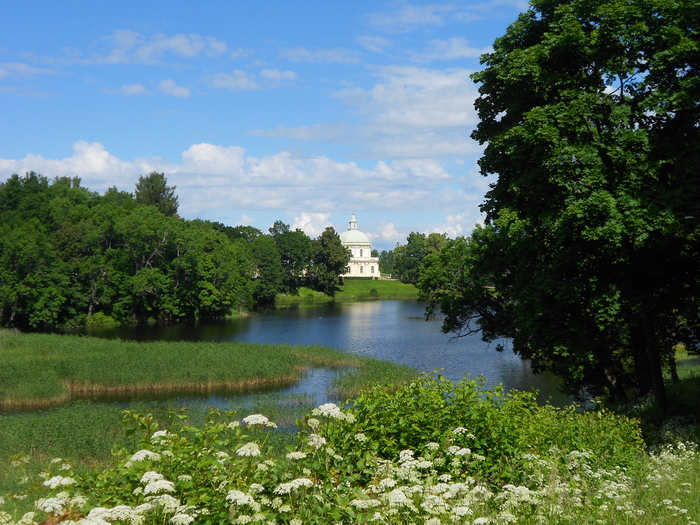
(40,370)
(355,290)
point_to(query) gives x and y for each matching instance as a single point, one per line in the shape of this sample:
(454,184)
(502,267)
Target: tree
(153,190)
(328,261)
(386,262)
(589,113)
(295,251)
(409,257)
(269,271)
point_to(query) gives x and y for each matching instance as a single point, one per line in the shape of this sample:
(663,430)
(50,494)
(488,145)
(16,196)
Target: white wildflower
(143,455)
(330,410)
(50,505)
(150,476)
(313,423)
(58,481)
(296,455)
(159,486)
(249,450)
(365,503)
(398,498)
(292,486)
(258,419)
(184,477)
(181,519)
(257,488)
(237,497)
(234,424)
(316,441)
(360,437)
(159,434)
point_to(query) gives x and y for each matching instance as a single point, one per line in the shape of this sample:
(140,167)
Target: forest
(70,256)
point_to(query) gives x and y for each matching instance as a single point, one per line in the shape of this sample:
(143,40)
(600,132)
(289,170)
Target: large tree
(328,261)
(589,113)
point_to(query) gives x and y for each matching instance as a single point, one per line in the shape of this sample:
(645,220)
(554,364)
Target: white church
(361,264)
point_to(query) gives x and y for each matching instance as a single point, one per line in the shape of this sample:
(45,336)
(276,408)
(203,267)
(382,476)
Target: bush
(498,431)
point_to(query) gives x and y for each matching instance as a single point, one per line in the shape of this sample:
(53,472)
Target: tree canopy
(153,190)
(590,119)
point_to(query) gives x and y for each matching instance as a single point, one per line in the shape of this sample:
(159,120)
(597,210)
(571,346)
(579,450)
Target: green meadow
(357,289)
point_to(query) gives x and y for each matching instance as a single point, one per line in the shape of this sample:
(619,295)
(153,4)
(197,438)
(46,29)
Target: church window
(347,270)
(360,252)
(362,269)
(371,269)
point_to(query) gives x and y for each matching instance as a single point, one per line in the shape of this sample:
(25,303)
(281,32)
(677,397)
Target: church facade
(361,264)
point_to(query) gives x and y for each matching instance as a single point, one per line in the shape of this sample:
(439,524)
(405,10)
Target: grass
(43,370)
(356,289)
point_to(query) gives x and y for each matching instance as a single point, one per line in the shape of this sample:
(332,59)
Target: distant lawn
(355,289)
(376,289)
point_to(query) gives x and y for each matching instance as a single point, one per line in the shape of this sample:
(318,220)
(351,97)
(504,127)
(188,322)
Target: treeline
(69,255)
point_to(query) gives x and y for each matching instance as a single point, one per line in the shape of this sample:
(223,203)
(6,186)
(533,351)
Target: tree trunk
(654,360)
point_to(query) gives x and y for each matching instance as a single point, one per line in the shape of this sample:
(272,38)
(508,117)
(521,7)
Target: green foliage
(591,239)
(328,263)
(295,254)
(153,190)
(496,430)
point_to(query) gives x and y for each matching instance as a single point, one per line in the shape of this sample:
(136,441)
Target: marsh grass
(44,370)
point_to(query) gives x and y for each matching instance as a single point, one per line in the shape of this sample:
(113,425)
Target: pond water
(390,330)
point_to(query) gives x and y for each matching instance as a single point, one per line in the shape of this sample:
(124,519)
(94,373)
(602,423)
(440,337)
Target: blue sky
(257,111)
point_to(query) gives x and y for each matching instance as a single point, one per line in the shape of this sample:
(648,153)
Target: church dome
(352,235)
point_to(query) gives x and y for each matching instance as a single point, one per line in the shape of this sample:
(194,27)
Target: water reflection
(390,330)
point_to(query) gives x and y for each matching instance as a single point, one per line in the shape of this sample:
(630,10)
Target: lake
(390,330)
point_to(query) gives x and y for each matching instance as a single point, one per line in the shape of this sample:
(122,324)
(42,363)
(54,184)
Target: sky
(257,111)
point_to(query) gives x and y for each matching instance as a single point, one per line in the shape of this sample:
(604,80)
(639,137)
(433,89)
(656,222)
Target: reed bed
(43,370)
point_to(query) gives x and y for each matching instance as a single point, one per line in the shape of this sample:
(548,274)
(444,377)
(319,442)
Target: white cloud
(236,80)
(130,47)
(90,161)
(375,44)
(130,90)
(312,224)
(276,74)
(22,70)
(169,87)
(410,112)
(387,234)
(406,17)
(301,54)
(214,180)
(453,49)
(245,221)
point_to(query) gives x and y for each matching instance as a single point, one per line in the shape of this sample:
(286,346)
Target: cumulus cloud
(129,90)
(169,87)
(317,55)
(312,224)
(213,180)
(387,234)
